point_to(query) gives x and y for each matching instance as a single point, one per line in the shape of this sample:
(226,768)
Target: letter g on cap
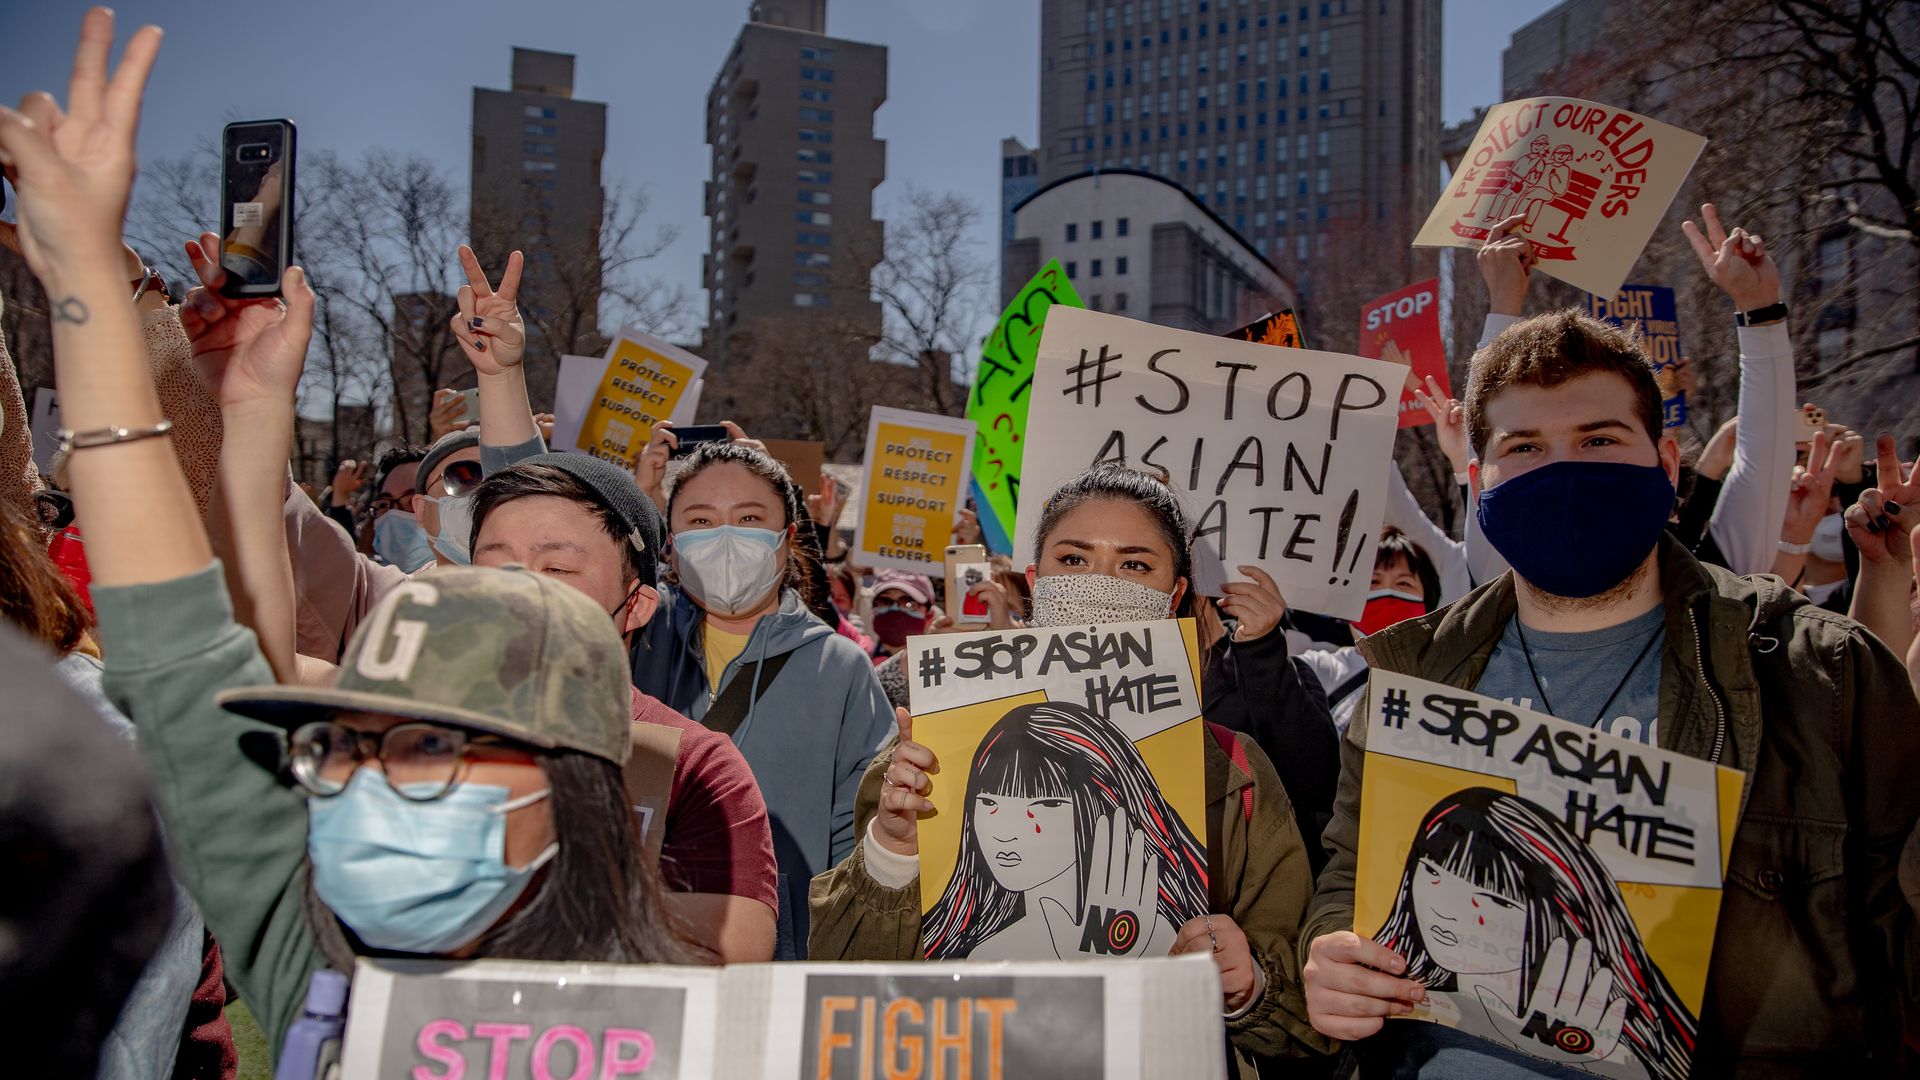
(408,635)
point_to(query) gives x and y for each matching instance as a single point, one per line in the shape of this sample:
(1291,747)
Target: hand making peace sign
(489,326)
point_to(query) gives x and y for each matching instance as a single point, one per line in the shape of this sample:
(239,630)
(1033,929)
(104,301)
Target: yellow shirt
(720,647)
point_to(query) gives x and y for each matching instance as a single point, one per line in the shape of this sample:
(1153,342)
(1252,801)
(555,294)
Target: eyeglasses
(380,504)
(422,761)
(460,477)
(900,601)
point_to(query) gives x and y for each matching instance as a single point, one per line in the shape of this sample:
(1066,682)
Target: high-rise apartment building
(536,186)
(1019,178)
(1304,126)
(795,162)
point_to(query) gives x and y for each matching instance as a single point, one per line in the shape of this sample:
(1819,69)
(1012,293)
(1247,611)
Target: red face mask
(1388,606)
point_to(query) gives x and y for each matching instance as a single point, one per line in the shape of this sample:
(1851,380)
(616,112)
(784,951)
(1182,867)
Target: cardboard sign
(1116,709)
(915,477)
(1403,327)
(998,404)
(1650,314)
(802,458)
(45,425)
(1082,1021)
(1277,452)
(434,1020)
(607,407)
(1592,180)
(1280,328)
(1515,859)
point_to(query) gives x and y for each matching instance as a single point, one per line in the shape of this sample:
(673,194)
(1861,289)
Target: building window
(816,157)
(813,217)
(809,279)
(539,112)
(1120,266)
(1093,268)
(812,258)
(816,116)
(1321,146)
(543,148)
(538,166)
(808,93)
(1073,232)
(1119,301)
(817,198)
(1093,302)
(817,74)
(809,299)
(1073,270)
(815,135)
(813,176)
(546,130)
(1096,233)
(808,52)
(1120,227)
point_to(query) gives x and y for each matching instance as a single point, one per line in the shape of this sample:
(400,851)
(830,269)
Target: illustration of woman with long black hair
(1067,847)
(1501,908)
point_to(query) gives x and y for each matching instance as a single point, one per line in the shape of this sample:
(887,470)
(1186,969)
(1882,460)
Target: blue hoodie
(808,734)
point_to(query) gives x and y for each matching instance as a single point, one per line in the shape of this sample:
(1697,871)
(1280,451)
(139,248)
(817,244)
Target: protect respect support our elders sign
(915,478)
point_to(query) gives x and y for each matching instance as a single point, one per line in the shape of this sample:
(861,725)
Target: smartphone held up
(256,206)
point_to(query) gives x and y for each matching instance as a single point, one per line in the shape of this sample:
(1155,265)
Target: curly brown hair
(1551,349)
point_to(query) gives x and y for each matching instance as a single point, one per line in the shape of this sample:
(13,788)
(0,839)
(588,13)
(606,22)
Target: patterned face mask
(1093,599)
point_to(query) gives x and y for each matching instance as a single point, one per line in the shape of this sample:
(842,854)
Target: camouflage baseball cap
(504,651)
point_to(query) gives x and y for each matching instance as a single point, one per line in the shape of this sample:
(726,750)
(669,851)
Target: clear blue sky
(398,74)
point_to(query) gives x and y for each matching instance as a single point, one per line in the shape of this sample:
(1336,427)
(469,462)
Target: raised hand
(1848,451)
(1811,487)
(544,421)
(447,415)
(1122,893)
(1882,522)
(1449,423)
(1569,1019)
(1737,262)
(1256,605)
(903,796)
(489,327)
(347,479)
(823,506)
(1506,263)
(73,170)
(1717,459)
(650,468)
(966,527)
(249,349)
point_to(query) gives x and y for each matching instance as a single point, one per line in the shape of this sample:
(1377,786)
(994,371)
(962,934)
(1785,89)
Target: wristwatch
(1772,313)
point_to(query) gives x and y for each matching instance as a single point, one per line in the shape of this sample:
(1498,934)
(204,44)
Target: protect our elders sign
(607,407)
(912,483)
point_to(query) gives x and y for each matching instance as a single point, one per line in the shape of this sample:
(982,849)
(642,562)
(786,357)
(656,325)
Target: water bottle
(312,1047)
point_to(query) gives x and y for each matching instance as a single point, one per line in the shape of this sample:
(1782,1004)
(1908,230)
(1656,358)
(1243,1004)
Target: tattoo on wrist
(70,310)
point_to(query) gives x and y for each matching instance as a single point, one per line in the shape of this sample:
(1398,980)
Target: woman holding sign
(1111,548)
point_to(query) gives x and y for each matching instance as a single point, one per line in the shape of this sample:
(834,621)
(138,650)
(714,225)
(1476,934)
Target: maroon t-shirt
(717,839)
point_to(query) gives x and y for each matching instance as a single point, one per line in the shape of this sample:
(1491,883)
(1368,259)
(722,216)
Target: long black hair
(1116,480)
(598,901)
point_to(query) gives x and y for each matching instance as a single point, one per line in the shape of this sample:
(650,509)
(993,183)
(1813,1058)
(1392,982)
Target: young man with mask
(398,539)
(582,521)
(1608,622)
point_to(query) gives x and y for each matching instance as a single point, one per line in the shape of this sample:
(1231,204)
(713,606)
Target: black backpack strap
(1352,686)
(729,710)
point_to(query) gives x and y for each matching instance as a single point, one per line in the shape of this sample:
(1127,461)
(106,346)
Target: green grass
(251,1043)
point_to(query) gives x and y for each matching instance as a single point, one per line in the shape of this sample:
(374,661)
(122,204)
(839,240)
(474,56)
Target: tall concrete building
(795,162)
(1302,125)
(1019,178)
(536,186)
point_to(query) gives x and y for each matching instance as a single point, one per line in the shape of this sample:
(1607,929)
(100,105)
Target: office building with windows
(1295,123)
(1139,245)
(536,186)
(1019,178)
(795,162)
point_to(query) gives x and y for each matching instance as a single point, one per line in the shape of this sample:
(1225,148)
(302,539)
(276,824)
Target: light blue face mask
(729,569)
(418,877)
(456,527)
(399,538)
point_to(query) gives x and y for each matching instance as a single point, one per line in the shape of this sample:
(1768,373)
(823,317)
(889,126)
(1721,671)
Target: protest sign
(45,427)
(1403,327)
(1554,886)
(1115,711)
(607,406)
(1278,453)
(1593,182)
(914,478)
(998,404)
(1121,1020)
(802,458)
(1280,328)
(1649,313)
(434,1020)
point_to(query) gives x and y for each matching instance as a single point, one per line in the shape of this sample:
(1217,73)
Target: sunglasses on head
(460,477)
(55,508)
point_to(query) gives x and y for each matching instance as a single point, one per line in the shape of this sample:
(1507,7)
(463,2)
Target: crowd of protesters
(419,713)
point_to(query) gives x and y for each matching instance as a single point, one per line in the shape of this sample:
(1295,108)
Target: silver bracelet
(107,436)
(1792,548)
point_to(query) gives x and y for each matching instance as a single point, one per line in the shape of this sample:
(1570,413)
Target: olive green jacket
(1257,873)
(1816,958)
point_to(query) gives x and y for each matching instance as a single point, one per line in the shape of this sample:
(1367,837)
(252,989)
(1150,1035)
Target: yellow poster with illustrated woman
(915,482)
(1556,888)
(1070,803)
(645,380)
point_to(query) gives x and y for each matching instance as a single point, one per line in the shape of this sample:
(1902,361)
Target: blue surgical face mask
(399,538)
(418,877)
(1577,528)
(454,540)
(730,569)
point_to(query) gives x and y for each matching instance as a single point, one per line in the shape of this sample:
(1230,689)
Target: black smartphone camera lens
(249,153)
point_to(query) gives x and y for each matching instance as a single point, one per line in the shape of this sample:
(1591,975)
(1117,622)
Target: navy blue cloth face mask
(1577,528)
